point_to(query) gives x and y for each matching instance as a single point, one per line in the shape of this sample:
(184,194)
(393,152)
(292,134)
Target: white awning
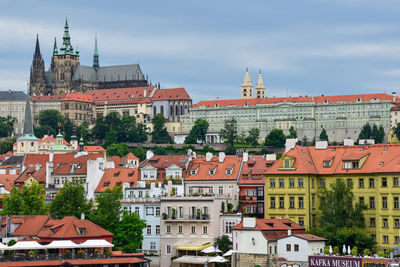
(191,259)
(96,243)
(218,259)
(61,244)
(25,245)
(211,249)
(228,253)
(2,246)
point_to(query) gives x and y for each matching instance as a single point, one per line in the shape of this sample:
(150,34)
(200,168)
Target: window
(296,247)
(180,229)
(385,223)
(168,250)
(137,210)
(157,229)
(385,239)
(272,182)
(228,227)
(157,211)
(384,202)
(286,163)
(288,247)
(396,239)
(204,229)
(149,211)
(361,200)
(396,223)
(180,212)
(312,183)
(281,202)
(152,245)
(220,190)
(361,183)
(372,222)
(260,191)
(384,182)
(395,202)
(395,181)
(193,228)
(272,202)
(148,230)
(211,171)
(347,165)
(168,229)
(313,202)
(301,221)
(291,182)
(371,202)
(281,182)
(373,237)
(301,203)
(349,182)
(322,183)
(81,231)
(291,202)
(301,184)
(371,183)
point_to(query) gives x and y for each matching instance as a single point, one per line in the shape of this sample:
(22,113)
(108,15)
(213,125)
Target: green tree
(292,133)
(305,141)
(111,138)
(100,129)
(113,120)
(120,150)
(128,233)
(6,126)
(84,131)
(50,117)
(43,130)
(108,210)
(229,133)
(190,139)
(230,150)
(396,131)
(224,244)
(275,138)
(159,150)
(323,136)
(67,128)
(365,132)
(70,201)
(160,135)
(252,138)
(127,131)
(141,133)
(28,201)
(337,209)
(140,152)
(378,134)
(199,131)
(6,145)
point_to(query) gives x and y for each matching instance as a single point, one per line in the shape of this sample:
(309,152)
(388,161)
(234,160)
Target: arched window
(171,109)
(155,110)
(176,110)
(181,109)
(162,110)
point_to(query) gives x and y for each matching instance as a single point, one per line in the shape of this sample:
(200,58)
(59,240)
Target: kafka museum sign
(321,261)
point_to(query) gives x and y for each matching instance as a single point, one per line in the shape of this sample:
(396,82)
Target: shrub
(366,252)
(354,251)
(230,207)
(326,250)
(222,206)
(336,250)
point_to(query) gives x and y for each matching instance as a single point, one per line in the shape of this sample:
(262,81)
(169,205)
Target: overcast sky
(303,47)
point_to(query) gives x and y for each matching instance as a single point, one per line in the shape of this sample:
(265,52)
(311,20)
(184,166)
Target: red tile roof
(8,180)
(171,94)
(93,149)
(30,225)
(131,156)
(162,162)
(121,94)
(203,167)
(316,99)
(74,96)
(253,170)
(68,228)
(395,108)
(310,237)
(51,139)
(117,177)
(46,98)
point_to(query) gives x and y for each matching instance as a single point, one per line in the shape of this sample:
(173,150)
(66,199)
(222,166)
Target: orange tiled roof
(68,227)
(310,237)
(117,177)
(316,99)
(131,156)
(162,162)
(30,225)
(255,167)
(203,168)
(75,96)
(271,225)
(93,149)
(8,180)
(171,94)
(395,108)
(120,94)
(52,140)
(380,158)
(46,98)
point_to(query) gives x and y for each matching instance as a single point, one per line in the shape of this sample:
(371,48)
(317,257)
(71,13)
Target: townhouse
(293,182)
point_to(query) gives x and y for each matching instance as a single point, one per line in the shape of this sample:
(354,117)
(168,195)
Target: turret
(96,65)
(247,86)
(260,88)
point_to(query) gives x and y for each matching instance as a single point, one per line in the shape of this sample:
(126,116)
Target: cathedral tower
(37,84)
(260,88)
(96,64)
(247,86)
(64,63)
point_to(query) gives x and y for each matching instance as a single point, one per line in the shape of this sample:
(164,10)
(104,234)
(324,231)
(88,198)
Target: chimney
(37,166)
(289,232)
(51,156)
(348,142)
(245,156)
(290,144)
(249,222)
(149,154)
(144,93)
(209,156)
(221,157)
(82,216)
(394,96)
(169,188)
(321,145)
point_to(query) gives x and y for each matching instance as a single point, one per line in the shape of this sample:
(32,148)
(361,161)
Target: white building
(298,247)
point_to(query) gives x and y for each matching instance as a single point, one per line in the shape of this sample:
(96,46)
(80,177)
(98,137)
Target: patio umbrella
(330,250)
(217,259)
(348,250)
(211,249)
(228,253)
(344,249)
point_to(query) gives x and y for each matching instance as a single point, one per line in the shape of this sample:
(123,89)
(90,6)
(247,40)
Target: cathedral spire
(95,55)
(28,125)
(66,47)
(55,51)
(37,48)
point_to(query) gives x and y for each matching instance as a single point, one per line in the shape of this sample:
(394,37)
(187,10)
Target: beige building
(247,87)
(40,103)
(78,107)
(12,103)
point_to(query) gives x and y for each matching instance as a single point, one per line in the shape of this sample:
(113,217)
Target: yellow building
(294,181)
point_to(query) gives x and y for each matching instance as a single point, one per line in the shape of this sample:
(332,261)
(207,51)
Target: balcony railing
(140,199)
(202,217)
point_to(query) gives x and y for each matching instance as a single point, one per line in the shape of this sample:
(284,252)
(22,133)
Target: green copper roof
(59,147)
(27,137)
(66,48)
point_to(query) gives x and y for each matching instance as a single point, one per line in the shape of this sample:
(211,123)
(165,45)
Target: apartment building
(292,185)
(12,103)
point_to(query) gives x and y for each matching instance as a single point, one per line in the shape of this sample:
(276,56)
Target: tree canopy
(323,136)
(252,138)
(128,233)
(51,121)
(160,135)
(275,138)
(292,133)
(6,126)
(6,145)
(198,132)
(229,133)
(28,201)
(224,243)
(120,150)
(376,133)
(70,201)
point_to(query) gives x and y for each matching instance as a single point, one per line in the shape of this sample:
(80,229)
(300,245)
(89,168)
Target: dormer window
(193,171)
(327,164)
(106,183)
(228,171)
(81,231)
(286,163)
(211,171)
(359,99)
(326,101)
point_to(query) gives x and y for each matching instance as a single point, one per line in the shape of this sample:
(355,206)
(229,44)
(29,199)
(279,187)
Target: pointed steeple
(37,48)
(247,86)
(66,47)
(260,88)
(96,65)
(28,125)
(55,51)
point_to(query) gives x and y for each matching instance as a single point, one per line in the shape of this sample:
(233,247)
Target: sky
(302,47)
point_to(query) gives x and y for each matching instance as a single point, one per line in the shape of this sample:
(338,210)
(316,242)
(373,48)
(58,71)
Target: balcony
(190,217)
(248,198)
(140,199)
